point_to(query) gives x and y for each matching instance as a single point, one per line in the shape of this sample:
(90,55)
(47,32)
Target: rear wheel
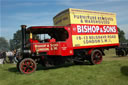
(27,66)
(96,57)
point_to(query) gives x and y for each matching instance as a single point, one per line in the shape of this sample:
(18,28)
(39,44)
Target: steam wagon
(77,35)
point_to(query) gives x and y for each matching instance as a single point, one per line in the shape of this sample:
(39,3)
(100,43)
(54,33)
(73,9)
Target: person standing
(10,56)
(14,56)
(1,58)
(4,56)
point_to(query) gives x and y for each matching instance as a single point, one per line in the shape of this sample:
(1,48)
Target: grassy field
(112,71)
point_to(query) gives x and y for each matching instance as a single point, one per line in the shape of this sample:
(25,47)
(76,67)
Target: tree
(16,42)
(121,35)
(4,45)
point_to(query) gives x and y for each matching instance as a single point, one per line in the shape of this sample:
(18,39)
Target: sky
(14,13)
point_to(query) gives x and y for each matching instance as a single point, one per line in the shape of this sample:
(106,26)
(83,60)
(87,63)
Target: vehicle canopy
(57,32)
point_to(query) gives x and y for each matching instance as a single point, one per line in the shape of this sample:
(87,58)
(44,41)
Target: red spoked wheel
(27,66)
(96,57)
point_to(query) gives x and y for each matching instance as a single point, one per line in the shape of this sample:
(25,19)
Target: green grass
(112,71)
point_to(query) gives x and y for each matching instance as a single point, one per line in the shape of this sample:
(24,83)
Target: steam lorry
(77,35)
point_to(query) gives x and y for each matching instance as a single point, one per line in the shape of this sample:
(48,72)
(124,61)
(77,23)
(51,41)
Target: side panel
(79,16)
(90,40)
(40,47)
(60,48)
(94,35)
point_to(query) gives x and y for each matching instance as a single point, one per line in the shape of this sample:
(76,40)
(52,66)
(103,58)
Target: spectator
(14,56)
(10,56)
(1,58)
(4,56)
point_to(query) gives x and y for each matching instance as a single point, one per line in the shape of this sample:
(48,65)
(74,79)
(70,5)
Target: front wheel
(27,66)
(96,57)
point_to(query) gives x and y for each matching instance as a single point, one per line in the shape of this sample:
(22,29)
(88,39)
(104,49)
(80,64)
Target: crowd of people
(8,57)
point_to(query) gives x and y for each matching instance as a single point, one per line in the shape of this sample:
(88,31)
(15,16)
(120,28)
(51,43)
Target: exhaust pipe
(23,29)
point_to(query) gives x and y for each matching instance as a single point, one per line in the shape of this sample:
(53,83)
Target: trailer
(122,49)
(77,35)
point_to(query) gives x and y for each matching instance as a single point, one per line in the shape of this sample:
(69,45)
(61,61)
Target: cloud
(38,18)
(114,0)
(80,3)
(10,3)
(87,3)
(27,16)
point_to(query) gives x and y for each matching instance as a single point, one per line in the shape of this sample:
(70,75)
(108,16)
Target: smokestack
(23,29)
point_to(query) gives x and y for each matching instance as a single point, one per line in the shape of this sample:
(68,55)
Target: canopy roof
(43,29)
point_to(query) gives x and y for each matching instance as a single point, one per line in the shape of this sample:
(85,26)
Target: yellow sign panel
(90,40)
(79,16)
